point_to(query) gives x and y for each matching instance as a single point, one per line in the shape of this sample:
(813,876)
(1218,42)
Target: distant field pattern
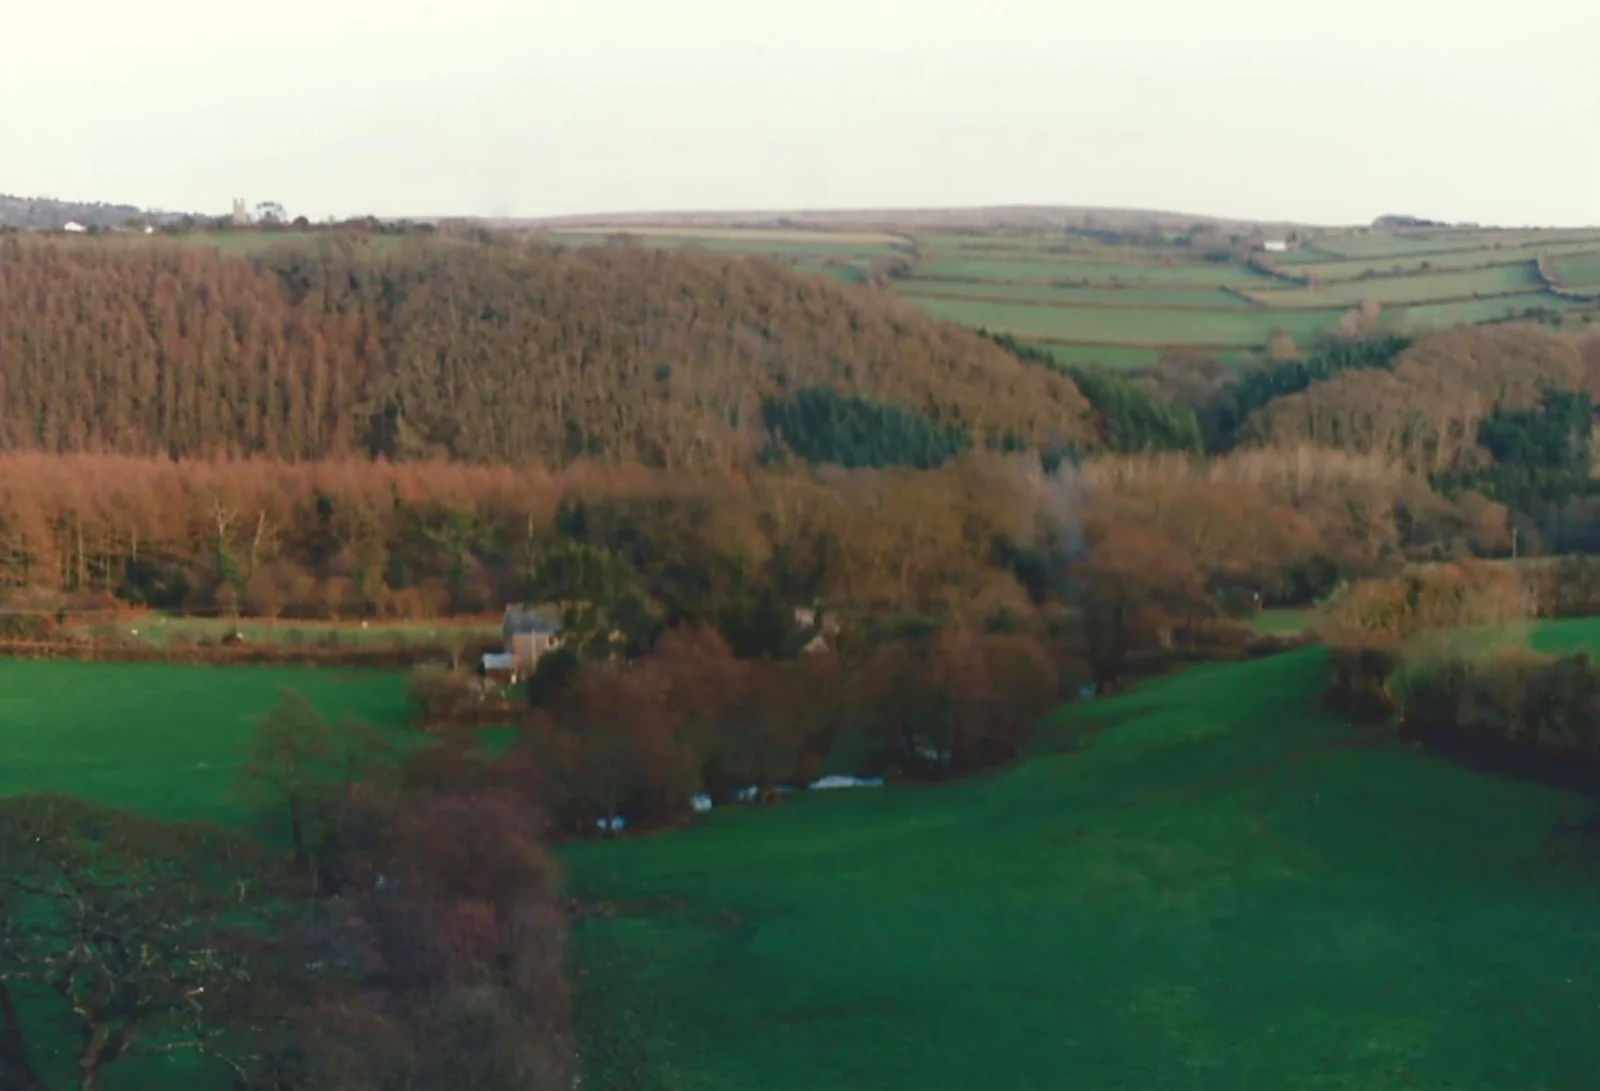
(1124,300)
(1437,263)
(1493,280)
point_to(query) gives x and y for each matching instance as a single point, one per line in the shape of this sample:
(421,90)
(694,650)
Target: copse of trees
(821,425)
(1517,706)
(636,740)
(1379,631)
(1553,434)
(1258,387)
(1130,416)
(1541,455)
(1426,410)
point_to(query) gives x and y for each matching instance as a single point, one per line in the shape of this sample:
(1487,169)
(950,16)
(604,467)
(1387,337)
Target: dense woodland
(473,351)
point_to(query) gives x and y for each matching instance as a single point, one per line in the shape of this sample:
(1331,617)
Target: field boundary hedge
(1206,346)
(1387,304)
(1120,283)
(1111,305)
(1416,270)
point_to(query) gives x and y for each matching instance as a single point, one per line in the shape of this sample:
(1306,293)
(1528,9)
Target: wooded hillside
(478,351)
(1427,409)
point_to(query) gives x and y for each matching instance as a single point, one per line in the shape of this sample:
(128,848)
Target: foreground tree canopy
(144,936)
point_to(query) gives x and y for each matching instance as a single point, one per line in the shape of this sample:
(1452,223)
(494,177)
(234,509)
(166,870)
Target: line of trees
(1164,546)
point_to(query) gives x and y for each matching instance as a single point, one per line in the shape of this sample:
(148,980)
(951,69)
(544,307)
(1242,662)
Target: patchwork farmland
(1124,301)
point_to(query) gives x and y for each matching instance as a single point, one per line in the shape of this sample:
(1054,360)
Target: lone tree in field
(311,766)
(139,936)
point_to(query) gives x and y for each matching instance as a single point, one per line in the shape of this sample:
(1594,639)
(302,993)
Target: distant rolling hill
(1125,287)
(50,214)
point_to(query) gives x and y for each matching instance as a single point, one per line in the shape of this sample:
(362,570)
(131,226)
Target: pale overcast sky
(1302,109)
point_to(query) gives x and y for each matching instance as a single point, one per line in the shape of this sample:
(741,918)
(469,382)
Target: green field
(1048,295)
(1439,263)
(1131,326)
(1225,889)
(1577,270)
(159,738)
(1305,253)
(161,630)
(1026,270)
(1282,622)
(1041,244)
(1492,280)
(1383,244)
(1419,317)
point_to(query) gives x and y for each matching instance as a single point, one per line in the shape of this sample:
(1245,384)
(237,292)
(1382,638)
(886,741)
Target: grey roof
(532,619)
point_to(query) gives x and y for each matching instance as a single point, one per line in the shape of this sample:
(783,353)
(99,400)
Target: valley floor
(1226,887)
(1208,882)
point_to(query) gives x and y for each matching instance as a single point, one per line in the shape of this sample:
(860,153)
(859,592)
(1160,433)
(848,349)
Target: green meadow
(1505,254)
(163,739)
(1417,317)
(1578,270)
(1112,325)
(1209,882)
(1491,280)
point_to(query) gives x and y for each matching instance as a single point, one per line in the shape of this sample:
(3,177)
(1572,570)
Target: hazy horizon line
(641,214)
